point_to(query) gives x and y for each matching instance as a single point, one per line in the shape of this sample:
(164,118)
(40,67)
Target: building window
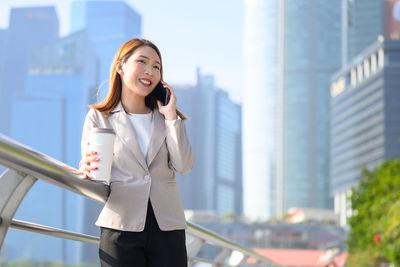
(373,63)
(381,60)
(360,73)
(366,68)
(353,77)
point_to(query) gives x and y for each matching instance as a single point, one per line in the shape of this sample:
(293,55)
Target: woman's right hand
(85,167)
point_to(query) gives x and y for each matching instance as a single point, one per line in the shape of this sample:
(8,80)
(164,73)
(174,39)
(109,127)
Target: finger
(91,168)
(159,104)
(88,160)
(77,172)
(93,159)
(91,153)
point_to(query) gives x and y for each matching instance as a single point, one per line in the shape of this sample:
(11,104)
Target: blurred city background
(288,101)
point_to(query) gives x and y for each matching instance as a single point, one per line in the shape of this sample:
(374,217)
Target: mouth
(145,82)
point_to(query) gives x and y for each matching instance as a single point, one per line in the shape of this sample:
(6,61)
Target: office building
(214,130)
(3,36)
(28,28)
(48,117)
(288,58)
(109,24)
(364,128)
(363,20)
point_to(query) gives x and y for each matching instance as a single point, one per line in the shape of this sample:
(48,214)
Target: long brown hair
(114,92)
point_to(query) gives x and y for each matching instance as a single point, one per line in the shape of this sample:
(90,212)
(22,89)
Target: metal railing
(25,166)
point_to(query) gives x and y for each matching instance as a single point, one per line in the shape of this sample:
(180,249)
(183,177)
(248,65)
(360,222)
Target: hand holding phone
(162,93)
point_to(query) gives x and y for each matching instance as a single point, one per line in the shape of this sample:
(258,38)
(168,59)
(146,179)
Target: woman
(142,222)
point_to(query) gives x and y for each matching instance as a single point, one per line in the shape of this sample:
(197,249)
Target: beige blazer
(136,177)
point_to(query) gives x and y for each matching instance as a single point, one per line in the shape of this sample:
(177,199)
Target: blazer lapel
(158,134)
(124,130)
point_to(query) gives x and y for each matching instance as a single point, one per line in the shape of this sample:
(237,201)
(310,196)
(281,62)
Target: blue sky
(190,33)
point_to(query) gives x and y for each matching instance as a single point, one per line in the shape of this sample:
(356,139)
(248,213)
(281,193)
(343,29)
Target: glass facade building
(3,35)
(48,116)
(259,110)
(365,123)
(228,171)
(363,126)
(312,54)
(28,28)
(291,49)
(364,24)
(214,130)
(109,24)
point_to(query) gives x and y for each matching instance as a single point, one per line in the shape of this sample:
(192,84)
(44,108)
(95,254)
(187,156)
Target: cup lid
(103,130)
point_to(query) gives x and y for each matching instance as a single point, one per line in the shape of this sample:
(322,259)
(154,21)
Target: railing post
(193,246)
(221,257)
(13,188)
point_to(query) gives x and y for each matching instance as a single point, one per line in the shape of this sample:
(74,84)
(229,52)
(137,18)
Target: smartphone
(162,93)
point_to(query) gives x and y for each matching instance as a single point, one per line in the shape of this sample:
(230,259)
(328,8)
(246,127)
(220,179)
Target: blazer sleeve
(88,125)
(181,157)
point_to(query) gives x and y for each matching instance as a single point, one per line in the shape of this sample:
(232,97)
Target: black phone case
(161,93)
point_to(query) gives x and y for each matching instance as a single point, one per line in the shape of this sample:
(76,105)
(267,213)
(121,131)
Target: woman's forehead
(147,52)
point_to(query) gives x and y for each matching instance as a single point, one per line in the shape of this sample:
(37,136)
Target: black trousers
(150,248)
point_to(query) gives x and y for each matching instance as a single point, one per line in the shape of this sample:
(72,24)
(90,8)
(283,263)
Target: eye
(140,61)
(156,67)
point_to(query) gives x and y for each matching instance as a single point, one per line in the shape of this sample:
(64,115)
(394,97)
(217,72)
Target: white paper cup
(102,141)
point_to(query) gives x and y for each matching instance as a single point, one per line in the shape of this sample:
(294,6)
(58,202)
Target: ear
(118,67)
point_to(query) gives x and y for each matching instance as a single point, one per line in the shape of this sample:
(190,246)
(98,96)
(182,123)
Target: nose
(149,71)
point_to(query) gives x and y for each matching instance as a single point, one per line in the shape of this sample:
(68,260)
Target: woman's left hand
(169,110)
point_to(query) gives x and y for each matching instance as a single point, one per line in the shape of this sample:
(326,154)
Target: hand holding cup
(86,167)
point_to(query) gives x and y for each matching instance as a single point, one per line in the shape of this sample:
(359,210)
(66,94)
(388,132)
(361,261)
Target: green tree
(374,226)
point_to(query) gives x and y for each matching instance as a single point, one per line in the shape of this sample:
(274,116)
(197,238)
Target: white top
(142,125)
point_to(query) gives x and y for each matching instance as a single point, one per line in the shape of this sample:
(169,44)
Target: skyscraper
(214,130)
(3,34)
(291,49)
(28,28)
(365,99)
(363,24)
(109,24)
(48,116)
(259,110)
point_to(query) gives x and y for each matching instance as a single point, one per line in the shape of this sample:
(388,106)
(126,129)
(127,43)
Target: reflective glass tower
(28,28)
(312,54)
(364,96)
(214,130)
(109,24)
(291,49)
(364,23)
(48,116)
(259,110)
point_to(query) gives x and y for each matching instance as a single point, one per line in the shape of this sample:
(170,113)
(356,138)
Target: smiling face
(141,72)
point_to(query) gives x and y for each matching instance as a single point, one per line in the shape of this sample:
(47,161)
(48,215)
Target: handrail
(34,164)
(28,161)
(51,231)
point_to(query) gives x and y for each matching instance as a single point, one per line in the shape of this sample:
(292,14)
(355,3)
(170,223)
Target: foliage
(374,236)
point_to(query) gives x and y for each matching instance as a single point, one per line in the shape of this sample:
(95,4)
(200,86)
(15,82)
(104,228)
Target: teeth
(146,82)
